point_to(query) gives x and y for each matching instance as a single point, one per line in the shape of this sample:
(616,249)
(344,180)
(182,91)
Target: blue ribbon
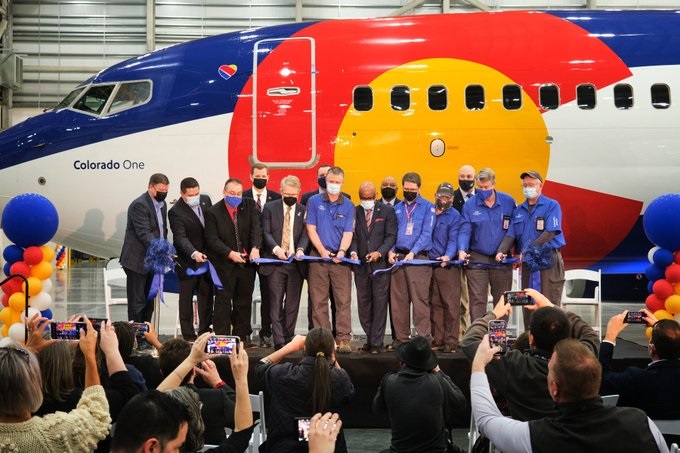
(205,267)
(493,265)
(416,262)
(273,260)
(156,287)
(328,260)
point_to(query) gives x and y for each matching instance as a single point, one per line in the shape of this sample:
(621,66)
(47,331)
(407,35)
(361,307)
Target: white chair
(260,431)
(610,400)
(671,427)
(114,275)
(675,448)
(573,283)
(516,316)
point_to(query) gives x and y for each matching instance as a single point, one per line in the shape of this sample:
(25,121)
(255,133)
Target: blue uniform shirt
(420,214)
(484,227)
(445,234)
(527,226)
(331,219)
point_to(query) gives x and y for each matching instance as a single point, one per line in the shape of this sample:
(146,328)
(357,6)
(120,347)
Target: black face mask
(388,193)
(321,180)
(259,183)
(466,185)
(443,205)
(290,201)
(160,196)
(410,196)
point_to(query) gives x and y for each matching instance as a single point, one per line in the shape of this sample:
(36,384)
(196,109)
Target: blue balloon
(30,219)
(663,258)
(46,313)
(662,221)
(13,253)
(6,268)
(654,272)
(650,287)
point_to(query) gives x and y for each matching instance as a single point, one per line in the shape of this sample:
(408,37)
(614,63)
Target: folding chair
(260,431)
(574,275)
(113,275)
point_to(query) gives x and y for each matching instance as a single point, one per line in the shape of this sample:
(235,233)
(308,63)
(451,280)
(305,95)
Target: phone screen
(498,335)
(635,317)
(303,429)
(518,298)
(222,344)
(140,328)
(66,330)
(96,323)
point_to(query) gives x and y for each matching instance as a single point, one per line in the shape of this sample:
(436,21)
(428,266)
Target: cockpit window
(130,94)
(69,98)
(94,100)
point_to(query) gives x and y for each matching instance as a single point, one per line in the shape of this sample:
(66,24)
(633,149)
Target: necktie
(199,213)
(285,240)
(369,214)
(468,196)
(239,245)
(259,202)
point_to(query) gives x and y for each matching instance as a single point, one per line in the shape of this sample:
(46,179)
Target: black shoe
(265,342)
(393,346)
(377,349)
(365,348)
(448,348)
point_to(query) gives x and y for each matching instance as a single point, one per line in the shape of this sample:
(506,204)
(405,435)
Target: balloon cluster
(662,226)
(28,220)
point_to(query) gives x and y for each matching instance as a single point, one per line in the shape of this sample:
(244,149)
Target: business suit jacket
(142,228)
(272,230)
(220,236)
(271,195)
(380,237)
(458,200)
(396,200)
(187,233)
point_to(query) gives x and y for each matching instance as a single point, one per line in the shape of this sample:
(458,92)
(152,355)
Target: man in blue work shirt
(411,283)
(330,222)
(487,217)
(538,222)
(445,285)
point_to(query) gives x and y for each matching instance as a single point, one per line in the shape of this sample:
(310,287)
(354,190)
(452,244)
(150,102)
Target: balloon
(676,257)
(40,301)
(676,288)
(31,312)
(42,270)
(47,285)
(677,317)
(6,342)
(20,268)
(654,272)
(46,314)
(34,286)
(4,330)
(650,286)
(661,221)
(12,286)
(663,257)
(673,273)
(648,333)
(7,268)
(6,315)
(17,332)
(653,303)
(48,253)
(33,255)
(31,219)
(13,253)
(17,302)
(5,300)
(652,251)
(662,289)
(662,314)
(15,316)
(673,304)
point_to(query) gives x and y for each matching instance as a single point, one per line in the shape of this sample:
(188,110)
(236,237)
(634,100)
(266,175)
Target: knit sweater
(75,431)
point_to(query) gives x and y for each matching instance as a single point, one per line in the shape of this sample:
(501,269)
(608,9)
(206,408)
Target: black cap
(532,174)
(445,189)
(417,354)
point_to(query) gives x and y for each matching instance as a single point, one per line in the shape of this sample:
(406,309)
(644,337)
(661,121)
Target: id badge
(409,229)
(506,222)
(540,224)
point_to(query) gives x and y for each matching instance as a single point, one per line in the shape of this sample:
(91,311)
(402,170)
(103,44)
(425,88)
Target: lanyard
(409,213)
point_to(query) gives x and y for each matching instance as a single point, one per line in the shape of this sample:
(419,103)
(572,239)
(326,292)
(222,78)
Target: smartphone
(96,323)
(140,328)
(635,317)
(222,344)
(66,330)
(302,428)
(517,298)
(498,335)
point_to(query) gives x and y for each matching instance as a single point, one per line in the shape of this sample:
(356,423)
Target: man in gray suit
(146,221)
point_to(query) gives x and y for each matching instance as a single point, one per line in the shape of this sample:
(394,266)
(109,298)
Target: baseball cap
(532,174)
(445,189)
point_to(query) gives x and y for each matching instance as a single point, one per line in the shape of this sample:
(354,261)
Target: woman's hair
(56,369)
(126,339)
(319,344)
(190,400)
(20,377)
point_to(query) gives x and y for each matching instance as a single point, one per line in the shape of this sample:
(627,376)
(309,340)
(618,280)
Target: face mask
(410,196)
(194,201)
(322,181)
(466,185)
(160,196)
(260,183)
(388,193)
(530,192)
(484,194)
(333,189)
(233,201)
(290,201)
(443,205)
(367,204)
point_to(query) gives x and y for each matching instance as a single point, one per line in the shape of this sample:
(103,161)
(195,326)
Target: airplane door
(284,104)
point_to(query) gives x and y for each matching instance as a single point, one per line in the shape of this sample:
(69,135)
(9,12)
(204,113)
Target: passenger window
(661,96)
(623,96)
(94,100)
(585,96)
(130,95)
(437,97)
(400,97)
(69,98)
(549,97)
(512,97)
(474,97)
(363,99)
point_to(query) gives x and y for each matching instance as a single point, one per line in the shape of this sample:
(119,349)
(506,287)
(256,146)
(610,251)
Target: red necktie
(259,203)
(368,218)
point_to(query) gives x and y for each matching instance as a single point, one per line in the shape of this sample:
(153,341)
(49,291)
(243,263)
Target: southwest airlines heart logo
(227,70)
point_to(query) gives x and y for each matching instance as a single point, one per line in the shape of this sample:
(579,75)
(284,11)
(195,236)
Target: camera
(517,298)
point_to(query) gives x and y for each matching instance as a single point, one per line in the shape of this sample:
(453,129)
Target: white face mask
(367,204)
(530,192)
(333,189)
(194,201)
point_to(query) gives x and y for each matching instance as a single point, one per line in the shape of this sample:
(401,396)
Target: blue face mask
(234,202)
(484,194)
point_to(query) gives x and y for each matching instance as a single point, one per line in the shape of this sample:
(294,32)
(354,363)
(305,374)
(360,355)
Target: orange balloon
(662,314)
(676,288)
(17,302)
(648,333)
(42,270)
(6,315)
(16,317)
(34,286)
(5,330)
(673,303)
(48,253)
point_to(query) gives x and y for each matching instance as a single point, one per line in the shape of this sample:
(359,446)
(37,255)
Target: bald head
(367,191)
(467,173)
(388,188)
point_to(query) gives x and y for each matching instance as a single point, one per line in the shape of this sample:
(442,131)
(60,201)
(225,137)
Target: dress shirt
(422,218)
(158,205)
(483,231)
(523,223)
(445,234)
(331,219)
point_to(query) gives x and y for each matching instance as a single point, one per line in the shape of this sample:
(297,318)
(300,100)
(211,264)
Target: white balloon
(40,301)
(47,285)
(6,342)
(17,332)
(677,317)
(650,254)
(32,311)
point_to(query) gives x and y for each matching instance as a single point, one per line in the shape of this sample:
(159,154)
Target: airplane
(584,97)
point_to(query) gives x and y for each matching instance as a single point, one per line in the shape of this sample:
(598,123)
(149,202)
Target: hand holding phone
(635,317)
(498,335)
(66,330)
(303,428)
(222,344)
(518,298)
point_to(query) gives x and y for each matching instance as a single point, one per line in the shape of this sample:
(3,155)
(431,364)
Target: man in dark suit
(653,389)
(259,175)
(388,191)
(465,191)
(375,231)
(146,221)
(284,235)
(186,222)
(233,237)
